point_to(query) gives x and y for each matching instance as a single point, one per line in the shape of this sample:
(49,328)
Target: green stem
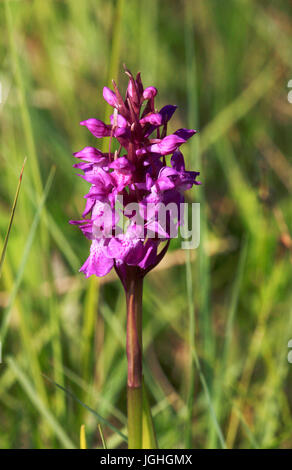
(134,354)
(134,418)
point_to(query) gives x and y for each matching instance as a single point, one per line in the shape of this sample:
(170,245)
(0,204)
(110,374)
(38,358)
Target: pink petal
(149,93)
(97,263)
(110,97)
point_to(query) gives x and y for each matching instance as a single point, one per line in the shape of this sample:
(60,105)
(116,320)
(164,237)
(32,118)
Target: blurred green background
(217,320)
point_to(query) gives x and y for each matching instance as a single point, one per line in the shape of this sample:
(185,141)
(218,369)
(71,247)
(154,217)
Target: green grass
(216,327)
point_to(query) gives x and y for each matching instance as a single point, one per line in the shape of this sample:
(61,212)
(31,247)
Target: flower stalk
(134,290)
(134,330)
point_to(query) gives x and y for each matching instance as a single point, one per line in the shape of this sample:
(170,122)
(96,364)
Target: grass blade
(24,111)
(97,415)
(25,255)
(203,260)
(209,401)
(82,437)
(238,108)
(11,218)
(102,436)
(221,380)
(37,402)
(149,440)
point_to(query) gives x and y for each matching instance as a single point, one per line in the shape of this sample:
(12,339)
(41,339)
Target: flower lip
(87,151)
(168,145)
(91,155)
(97,263)
(96,127)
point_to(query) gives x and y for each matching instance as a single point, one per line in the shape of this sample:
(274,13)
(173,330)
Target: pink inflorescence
(135,174)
